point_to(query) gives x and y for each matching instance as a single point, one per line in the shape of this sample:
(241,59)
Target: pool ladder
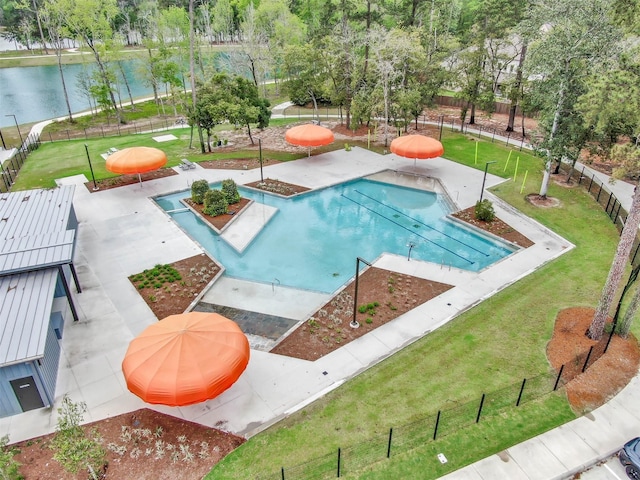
(273,284)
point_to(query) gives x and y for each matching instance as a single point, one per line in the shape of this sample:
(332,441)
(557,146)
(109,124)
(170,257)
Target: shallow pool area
(312,240)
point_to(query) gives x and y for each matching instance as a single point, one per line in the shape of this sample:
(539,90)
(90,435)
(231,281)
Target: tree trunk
(64,85)
(554,128)
(627,320)
(472,115)
(192,69)
(126,82)
(617,269)
(516,88)
(42,39)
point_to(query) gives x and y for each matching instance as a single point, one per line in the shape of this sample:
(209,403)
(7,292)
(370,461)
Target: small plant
(72,448)
(484,211)
(158,432)
(153,299)
(369,308)
(9,468)
(230,190)
(391,306)
(347,147)
(369,320)
(215,203)
(199,188)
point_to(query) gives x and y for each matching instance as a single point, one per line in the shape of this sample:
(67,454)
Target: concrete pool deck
(122,232)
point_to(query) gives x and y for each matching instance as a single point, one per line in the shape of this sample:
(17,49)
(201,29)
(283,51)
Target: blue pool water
(313,240)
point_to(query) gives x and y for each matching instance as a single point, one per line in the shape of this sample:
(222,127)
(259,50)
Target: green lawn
(65,158)
(493,345)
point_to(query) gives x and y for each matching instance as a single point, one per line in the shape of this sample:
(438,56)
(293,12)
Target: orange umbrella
(185,359)
(136,160)
(417,146)
(309,135)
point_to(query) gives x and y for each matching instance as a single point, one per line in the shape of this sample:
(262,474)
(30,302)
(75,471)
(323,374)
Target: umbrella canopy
(136,160)
(309,135)
(417,146)
(185,359)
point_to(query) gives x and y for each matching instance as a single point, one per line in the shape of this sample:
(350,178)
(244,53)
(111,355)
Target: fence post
(50,138)
(615,219)
(435,430)
(633,259)
(102,130)
(338,462)
(586,362)
(494,135)
(389,444)
(282,472)
(508,137)
(521,390)
(599,192)
(555,387)
(68,137)
(480,132)
(590,183)
(480,408)
(522,144)
(606,209)
(609,340)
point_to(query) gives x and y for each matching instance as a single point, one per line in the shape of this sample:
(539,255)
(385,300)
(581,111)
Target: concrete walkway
(122,232)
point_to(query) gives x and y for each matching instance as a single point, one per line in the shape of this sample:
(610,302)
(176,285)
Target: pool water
(313,240)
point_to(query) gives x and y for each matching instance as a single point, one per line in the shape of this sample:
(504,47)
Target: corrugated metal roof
(33,229)
(25,310)
(34,212)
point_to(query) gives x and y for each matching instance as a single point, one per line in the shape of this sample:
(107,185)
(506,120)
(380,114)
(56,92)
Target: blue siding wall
(8,402)
(49,365)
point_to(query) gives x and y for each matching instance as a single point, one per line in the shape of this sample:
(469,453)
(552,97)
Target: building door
(27,393)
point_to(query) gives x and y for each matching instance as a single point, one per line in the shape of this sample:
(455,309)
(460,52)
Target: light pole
(354,323)
(484,179)
(17,126)
(260,149)
(86,147)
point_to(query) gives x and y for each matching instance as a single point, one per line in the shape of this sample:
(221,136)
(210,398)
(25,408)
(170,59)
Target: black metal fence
(9,169)
(401,439)
(607,200)
(116,130)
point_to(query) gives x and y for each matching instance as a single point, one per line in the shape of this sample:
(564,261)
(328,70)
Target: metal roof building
(37,243)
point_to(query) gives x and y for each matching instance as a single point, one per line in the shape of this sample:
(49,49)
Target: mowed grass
(495,344)
(67,158)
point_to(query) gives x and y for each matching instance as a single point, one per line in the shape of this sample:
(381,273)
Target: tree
(90,22)
(611,109)
(569,39)
(53,18)
(73,449)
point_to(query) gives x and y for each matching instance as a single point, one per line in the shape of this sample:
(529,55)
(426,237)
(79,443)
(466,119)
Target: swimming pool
(313,240)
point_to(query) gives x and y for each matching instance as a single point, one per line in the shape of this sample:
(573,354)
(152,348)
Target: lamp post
(354,323)
(17,126)
(260,149)
(95,187)
(484,179)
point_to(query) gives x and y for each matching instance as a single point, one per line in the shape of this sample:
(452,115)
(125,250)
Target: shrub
(215,203)
(230,191)
(199,188)
(484,211)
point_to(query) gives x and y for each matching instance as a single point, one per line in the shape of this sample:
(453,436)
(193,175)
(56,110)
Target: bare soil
(496,227)
(382,297)
(602,379)
(173,298)
(142,445)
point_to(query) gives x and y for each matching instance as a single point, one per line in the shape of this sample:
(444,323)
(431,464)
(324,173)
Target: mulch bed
(278,187)
(124,180)
(496,227)
(610,373)
(186,450)
(220,221)
(328,329)
(173,298)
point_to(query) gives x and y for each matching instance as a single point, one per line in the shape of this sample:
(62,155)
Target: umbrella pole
(140,179)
